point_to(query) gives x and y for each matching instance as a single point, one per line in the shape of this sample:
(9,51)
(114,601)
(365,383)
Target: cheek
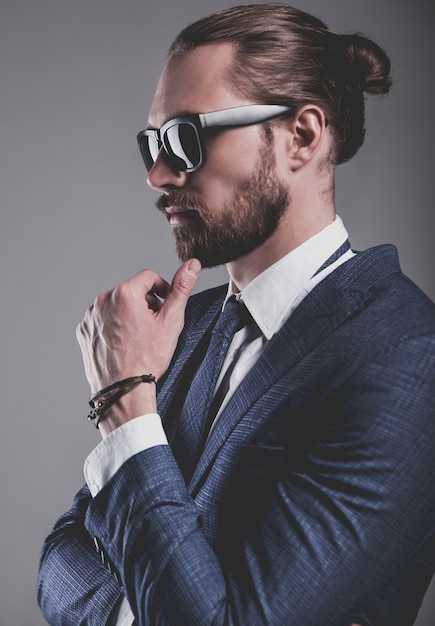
(231,158)
(281,154)
(236,150)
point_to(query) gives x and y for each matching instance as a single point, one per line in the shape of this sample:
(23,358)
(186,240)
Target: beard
(243,223)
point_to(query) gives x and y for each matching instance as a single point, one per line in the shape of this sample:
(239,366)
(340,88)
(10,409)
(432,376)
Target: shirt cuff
(122,443)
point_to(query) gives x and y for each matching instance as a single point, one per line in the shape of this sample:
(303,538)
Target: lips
(178,215)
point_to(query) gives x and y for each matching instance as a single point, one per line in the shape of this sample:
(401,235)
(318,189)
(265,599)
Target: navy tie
(193,418)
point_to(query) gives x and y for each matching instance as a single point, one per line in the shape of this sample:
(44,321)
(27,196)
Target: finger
(154,301)
(145,287)
(149,283)
(181,288)
(160,289)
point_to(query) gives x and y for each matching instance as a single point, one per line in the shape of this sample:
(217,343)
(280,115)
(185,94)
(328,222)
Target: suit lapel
(341,295)
(173,387)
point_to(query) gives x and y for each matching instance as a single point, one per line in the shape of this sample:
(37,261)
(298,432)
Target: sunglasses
(182,138)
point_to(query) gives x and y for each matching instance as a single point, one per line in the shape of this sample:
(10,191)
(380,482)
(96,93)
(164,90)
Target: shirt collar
(269,297)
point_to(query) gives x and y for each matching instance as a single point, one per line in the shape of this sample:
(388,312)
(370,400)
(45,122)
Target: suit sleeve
(310,532)
(74,587)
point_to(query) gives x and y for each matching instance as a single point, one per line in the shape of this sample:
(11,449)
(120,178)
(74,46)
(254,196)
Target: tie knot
(234,317)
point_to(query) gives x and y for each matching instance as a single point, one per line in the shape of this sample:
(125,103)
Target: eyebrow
(182,113)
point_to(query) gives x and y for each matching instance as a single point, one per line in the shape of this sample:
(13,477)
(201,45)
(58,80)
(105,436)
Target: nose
(161,176)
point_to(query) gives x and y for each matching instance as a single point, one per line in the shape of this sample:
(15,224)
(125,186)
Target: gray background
(77,79)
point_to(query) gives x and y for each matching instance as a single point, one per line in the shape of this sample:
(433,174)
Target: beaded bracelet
(102,400)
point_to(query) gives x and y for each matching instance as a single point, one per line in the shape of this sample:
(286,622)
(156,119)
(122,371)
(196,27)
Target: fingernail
(193,267)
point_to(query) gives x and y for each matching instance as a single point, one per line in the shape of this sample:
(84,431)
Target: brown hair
(286,56)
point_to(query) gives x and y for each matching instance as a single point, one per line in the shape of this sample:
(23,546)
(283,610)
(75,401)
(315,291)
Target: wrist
(123,400)
(140,401)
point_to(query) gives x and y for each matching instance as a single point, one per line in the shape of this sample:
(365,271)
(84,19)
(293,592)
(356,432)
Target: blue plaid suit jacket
(313,501)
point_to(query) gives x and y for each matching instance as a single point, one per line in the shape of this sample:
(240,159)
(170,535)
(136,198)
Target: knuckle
(183,290)
(98,303)
(124,292)
(183,285)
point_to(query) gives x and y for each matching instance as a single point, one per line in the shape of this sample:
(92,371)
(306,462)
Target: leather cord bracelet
(105,398)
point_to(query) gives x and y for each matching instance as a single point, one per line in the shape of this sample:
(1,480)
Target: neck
(293,230)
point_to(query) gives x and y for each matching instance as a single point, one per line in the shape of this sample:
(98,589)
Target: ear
(306,136)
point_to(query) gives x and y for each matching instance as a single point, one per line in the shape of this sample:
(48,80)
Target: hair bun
(369,64)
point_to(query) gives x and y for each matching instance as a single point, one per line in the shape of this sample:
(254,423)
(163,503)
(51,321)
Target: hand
(134,328)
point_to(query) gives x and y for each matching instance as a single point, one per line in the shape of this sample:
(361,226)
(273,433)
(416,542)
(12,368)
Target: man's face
(235,201)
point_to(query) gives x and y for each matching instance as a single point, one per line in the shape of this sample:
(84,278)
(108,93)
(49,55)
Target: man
(296,488)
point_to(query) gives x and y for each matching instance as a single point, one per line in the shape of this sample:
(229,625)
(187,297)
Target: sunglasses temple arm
(241,116)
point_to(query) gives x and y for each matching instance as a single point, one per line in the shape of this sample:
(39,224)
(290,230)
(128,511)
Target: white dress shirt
(285,283)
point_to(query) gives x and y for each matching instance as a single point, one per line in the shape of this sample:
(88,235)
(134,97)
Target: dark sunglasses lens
(182,143)
(149,149)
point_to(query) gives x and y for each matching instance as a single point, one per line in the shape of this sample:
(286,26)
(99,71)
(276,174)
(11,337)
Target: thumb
(182,286)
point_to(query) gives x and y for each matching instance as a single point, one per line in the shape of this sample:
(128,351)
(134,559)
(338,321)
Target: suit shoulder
(409,306)
(376,277)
